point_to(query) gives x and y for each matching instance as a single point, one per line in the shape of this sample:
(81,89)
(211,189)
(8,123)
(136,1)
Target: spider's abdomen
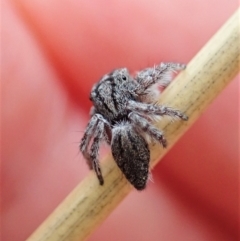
(131,153)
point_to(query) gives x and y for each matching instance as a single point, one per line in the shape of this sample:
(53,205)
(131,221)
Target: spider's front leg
(161,74)
(95,130)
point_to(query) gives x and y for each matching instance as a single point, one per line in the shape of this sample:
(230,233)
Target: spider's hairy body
(122,115)
(131,152)
(111,95)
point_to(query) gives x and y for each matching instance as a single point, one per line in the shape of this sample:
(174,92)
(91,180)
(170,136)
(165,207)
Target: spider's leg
(161,74)
(150,109)
(89,132)
(98,136)
(142,124)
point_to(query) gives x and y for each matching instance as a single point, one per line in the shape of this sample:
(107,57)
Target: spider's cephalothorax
(122,115)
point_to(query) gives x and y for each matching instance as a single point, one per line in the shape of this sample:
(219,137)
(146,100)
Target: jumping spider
(122,115)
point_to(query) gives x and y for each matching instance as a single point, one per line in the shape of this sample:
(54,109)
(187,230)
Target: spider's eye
(124,77)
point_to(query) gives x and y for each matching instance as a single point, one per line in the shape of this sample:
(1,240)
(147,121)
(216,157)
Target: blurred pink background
(52,53)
